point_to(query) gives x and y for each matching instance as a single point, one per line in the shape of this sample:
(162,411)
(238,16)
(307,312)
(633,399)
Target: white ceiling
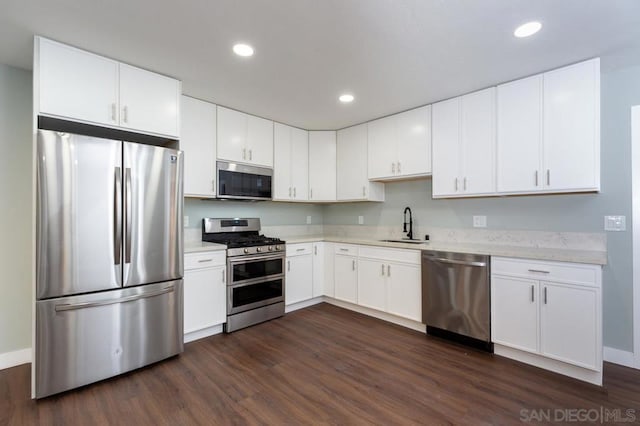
(391,54)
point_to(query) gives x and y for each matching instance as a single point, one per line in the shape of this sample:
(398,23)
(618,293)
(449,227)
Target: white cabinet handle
(205,260)
(244,153)
(250,154)
(548,177)
(344,249)
(382,272)
(388,270)
(315,250)
(224,277)
(311,193)
(289,192)
(294,192)
(300,249)
(399,167)
(113,112)
(393,168)
(353,265)
(532,294)
(464,183)
(540,271)
(536,178)
(213,185)
(288,265)
(125,114)
(364,191)
(545,295)
(456,185)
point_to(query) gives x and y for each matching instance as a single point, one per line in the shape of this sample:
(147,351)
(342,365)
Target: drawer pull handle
(205,260)
(343,249)
(539,271)
(301,249)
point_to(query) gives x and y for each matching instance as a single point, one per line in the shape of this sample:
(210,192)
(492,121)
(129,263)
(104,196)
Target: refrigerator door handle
(76,306)
(117,214)
(127,212)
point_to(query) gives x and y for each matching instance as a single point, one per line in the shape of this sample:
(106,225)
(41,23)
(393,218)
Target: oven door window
(243,184)
(257,269)
(254,293)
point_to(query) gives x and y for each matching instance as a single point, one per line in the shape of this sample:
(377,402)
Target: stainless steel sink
(405,241)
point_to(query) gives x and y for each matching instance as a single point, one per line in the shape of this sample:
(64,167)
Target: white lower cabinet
(372,284)
(299,280)
(346,273)
(550,309)
(205,291)
(404,291)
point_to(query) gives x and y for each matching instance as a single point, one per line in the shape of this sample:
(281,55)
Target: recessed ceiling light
(528,29)
(242,49)
(346,98)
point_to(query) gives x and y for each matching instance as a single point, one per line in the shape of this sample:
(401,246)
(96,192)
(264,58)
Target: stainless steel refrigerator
(109,268)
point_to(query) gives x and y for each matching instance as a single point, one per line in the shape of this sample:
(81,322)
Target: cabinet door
(351,163)
(346,278)
(232,135)
(382,150)
(149,102)
(205,296)
(372,284)
(413,129)
(572,127)
(478,142)
(329,269)
(198,142)
(299,279)
(519,154)
(318,269)
(569,324)
(300,163)
(259,141)
(446,148)
(514,312)
(282,162)
(322,166)
(404,291)
(76,84)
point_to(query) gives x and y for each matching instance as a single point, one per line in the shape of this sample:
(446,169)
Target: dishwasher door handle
(456,262)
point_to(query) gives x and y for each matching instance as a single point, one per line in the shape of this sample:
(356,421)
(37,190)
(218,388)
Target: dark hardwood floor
(321,365)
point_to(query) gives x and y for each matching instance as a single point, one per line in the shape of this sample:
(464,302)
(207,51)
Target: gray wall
(15,214)
(620,89)
(270,213)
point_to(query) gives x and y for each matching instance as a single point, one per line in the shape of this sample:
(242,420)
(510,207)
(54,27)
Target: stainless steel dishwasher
(456,301)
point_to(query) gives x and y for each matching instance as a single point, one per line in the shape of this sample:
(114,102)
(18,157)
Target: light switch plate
(360,220)
(479,221)
(308,220)
(186,221)
(615,223)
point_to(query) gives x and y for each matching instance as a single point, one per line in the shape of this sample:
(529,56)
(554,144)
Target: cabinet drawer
(346,249)
(391,255)
(204,260)
(299,249)
(545,270)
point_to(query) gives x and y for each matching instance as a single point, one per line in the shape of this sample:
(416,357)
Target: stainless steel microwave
(243,182)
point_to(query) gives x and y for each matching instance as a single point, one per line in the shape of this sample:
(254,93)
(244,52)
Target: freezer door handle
(133,298)
(117,214)
(127,209)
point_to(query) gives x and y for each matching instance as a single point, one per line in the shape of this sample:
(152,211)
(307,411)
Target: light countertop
(201,246)
(535,253)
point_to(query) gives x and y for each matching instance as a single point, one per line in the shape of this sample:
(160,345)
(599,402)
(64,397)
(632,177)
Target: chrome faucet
(410,233)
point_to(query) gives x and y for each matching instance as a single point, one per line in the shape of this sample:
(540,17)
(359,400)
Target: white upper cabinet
(244,138)
(80,86)
(549,131)
(322,166)
(148,101)
(198,142)
(572,128)
(290,163)
(399,146)
(352,180)
(519,147)
(464,145)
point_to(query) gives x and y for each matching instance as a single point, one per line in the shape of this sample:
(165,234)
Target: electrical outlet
(186,221)
(308,220)
(479,221)
(615,223)
(360,220)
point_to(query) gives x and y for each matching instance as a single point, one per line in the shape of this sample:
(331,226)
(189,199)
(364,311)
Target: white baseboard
(414,325)
(303,304)
(618,356)
(12,359)
(201,334)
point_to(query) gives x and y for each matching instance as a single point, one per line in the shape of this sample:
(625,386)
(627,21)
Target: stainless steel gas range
(255,267)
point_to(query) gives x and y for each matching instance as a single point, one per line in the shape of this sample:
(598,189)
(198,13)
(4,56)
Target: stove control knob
(277,247)
(246,251)
(259,249)
(270,248)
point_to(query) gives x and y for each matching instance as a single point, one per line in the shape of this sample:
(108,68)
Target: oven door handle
(252,281)
(247,259)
